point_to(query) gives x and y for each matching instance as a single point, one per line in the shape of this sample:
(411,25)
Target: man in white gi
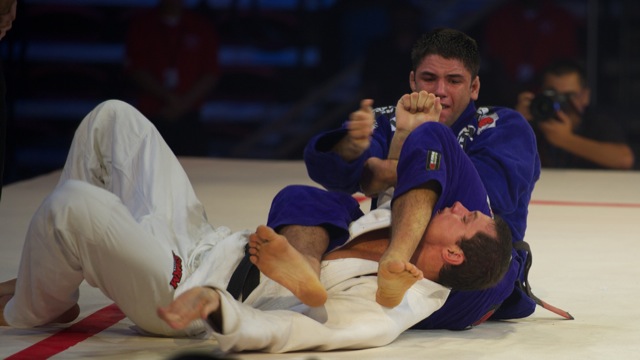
(125,218)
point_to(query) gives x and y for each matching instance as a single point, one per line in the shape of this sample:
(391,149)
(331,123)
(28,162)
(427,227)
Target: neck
(370,246)
(428,259)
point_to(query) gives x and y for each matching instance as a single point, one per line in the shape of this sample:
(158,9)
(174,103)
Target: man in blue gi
(499,142)
(459,249)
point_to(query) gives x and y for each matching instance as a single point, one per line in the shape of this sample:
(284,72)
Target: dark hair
(565,67)
(450,44)
(486,260)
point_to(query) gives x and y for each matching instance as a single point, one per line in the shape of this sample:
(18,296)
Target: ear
(453,255)
(412,81)
(475,88)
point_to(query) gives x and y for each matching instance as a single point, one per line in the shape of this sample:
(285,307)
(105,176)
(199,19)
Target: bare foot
(395,277)
(193,304)
(277,259)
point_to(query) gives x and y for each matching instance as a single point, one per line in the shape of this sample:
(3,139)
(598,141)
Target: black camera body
(545,105)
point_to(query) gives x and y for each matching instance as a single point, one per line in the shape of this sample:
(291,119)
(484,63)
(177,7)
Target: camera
(545,104)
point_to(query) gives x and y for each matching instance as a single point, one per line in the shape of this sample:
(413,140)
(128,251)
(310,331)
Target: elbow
(626,161)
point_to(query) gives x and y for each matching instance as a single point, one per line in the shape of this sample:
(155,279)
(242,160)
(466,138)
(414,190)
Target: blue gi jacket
(501,145)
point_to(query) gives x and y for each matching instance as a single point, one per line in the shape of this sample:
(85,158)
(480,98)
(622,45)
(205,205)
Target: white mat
(583,228)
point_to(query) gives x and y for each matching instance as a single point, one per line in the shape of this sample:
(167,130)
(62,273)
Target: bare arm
(409,219)
(411,111)
(410,215)
(610,155)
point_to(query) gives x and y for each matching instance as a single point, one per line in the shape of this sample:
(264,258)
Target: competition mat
(583,230)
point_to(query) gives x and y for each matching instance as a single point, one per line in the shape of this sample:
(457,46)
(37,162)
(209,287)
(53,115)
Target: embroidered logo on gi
(177,271)
(487,119)
(465,136)
(433,160)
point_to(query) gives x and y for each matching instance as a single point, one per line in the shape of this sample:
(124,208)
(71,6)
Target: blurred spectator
(172,57)
(569,133)
(7,15)
(522,37)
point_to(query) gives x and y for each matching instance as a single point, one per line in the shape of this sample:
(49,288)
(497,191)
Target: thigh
(82,232)
(118,149)
(311,206)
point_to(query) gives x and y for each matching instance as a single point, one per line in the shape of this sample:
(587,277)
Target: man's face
(569,84)
(452,224)
(449,80)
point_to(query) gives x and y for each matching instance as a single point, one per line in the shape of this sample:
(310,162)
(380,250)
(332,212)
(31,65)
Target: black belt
(526,286)
(244,279)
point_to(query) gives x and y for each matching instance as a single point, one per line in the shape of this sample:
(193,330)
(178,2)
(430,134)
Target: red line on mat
(582,203)
(66,338)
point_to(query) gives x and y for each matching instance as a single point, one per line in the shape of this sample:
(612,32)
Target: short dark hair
(450,44)
(486,260)
(565,67)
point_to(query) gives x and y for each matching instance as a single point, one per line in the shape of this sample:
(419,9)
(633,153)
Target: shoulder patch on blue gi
(433,160)
(487,119)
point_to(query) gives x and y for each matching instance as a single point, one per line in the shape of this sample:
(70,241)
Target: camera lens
(544,106)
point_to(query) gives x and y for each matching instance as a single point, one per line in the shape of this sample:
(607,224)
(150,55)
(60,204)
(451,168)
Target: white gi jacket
(271,319)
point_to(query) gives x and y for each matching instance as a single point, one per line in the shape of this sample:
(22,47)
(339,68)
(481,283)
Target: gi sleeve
(332,172)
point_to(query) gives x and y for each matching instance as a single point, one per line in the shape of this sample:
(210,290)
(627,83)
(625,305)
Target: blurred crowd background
(284,70)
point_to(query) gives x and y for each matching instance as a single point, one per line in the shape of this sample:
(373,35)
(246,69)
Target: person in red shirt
(172,57)
(521,38)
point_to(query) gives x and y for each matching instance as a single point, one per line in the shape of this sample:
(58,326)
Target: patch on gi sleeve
(433,160)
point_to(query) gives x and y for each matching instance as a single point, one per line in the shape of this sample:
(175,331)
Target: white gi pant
(271,319)
(121,210)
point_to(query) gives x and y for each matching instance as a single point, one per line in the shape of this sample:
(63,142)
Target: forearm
(410,215)
(398,140)
(379,175)
(610,155)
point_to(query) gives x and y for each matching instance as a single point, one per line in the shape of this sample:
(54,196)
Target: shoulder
(499,112)
(500,118)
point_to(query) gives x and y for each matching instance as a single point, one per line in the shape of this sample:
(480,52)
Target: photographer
(569,133)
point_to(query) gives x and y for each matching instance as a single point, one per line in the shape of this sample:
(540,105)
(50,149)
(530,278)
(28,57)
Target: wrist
(348,150)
